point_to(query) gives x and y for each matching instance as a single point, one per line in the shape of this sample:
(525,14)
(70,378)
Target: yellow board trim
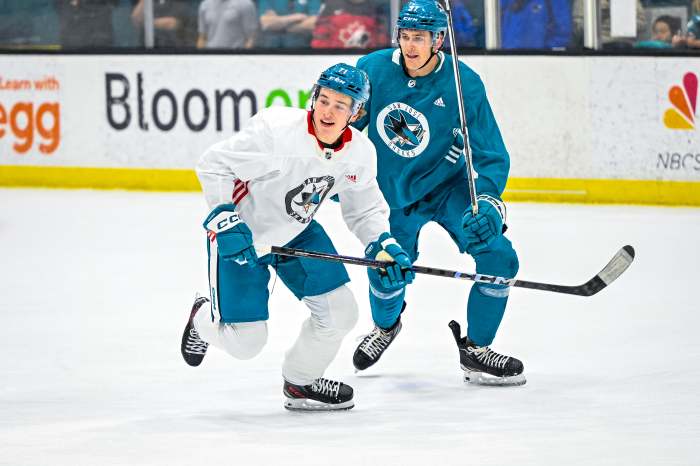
(137,179)
(652,192)
(679,193)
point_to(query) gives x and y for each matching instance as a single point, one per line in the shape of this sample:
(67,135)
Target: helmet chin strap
(335,144)
(432,54)
(347,123)
(403,63)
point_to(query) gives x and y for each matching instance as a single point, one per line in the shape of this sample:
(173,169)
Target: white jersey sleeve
(364,209)
(278,175)
(245,156)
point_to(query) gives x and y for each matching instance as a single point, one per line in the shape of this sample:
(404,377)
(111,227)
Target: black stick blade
(617,265)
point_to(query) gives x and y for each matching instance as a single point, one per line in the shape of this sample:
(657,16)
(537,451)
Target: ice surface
(95,288)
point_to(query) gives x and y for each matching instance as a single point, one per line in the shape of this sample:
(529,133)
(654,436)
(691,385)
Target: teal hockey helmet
(425,15)
(346,79)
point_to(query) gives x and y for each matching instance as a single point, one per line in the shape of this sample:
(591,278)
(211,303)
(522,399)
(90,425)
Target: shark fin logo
(303,201)
(684,99)
(403,129)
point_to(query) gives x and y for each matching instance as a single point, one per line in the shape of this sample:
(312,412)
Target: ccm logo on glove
(233,237)
(223,221)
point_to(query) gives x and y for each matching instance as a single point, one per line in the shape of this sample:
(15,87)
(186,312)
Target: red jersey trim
(240,190)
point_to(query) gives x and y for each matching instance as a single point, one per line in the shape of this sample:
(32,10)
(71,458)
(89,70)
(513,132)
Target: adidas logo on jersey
(439,102)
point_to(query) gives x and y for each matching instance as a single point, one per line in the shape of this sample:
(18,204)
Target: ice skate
(192,347)
(373,346)
(483,366)
(321,395)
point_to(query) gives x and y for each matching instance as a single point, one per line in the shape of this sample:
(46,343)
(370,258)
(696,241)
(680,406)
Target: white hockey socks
(333,315)
(241,340)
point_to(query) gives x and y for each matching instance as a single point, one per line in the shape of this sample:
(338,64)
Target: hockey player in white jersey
(264,186)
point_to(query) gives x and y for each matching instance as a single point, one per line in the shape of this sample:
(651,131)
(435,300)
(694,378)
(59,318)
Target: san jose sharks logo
(403,129)
(303,201)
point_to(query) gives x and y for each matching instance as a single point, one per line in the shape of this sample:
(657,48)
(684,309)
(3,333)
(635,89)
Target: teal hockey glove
(394,276)
(233,237)
(481,229)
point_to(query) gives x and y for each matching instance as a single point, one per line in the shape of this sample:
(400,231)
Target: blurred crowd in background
(327,24)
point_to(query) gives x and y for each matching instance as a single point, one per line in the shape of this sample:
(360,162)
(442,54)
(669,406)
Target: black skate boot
(373,345)
(483,366)
(321,395)
(192,347)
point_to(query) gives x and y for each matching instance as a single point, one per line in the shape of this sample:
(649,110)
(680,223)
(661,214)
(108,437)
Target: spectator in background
(693,38)
(287,23)
(665,33)
(468,18)
(85,23)
(351,24)
(611,42)
(170,20)
(535,24)
(28,22)
(230,24)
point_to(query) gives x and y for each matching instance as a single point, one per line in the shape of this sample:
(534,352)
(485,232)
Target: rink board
(518,189)
(579,129)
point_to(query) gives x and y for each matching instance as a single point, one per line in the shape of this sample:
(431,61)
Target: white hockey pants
(333,315)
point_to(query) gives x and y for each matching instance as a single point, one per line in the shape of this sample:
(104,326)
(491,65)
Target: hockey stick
(460,105)
(617,265)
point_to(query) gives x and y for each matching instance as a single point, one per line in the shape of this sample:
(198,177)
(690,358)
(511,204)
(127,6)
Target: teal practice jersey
(413,122)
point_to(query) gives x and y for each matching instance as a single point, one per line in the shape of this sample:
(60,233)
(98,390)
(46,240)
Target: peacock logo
(683,99)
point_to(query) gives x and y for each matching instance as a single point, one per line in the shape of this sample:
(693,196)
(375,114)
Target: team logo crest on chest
(403,129)
(303,201)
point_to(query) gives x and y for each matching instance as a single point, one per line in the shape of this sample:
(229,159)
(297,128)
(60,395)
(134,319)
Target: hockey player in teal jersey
(413,120)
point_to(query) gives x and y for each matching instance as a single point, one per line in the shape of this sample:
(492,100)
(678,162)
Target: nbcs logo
(684,99)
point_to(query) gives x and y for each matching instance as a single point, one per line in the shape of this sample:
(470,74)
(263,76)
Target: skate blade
(482,378)
(303,404)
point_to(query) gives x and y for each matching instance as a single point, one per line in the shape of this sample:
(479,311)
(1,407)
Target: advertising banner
(602,118)
(137,111)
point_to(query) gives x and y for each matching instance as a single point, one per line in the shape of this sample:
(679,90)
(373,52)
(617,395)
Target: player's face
(416,47)
(332,111)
